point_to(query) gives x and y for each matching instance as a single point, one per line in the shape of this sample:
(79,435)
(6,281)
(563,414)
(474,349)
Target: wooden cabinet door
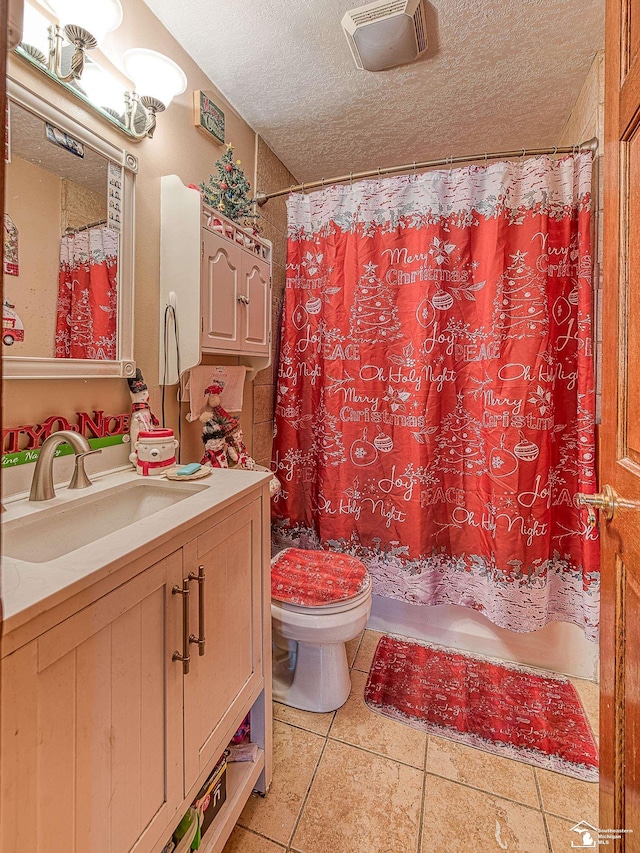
(228,676)
(620,433)
(220,290)
(92,725)
(255,309)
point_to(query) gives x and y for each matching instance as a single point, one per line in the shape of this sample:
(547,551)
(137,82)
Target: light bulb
(154,75)
(102,89)
(99,17)
(35,29)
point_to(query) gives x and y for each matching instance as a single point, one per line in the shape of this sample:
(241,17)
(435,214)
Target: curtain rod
(590,145)
(69,231)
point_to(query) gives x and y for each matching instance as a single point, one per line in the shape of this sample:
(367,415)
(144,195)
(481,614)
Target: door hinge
(202,251)
(202,324)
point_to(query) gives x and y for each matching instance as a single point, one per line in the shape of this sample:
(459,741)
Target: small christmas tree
(460,445)
(374,315)
(228,190)
(521,304)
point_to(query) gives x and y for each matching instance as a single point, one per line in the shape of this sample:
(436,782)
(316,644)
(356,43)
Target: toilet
(319,601)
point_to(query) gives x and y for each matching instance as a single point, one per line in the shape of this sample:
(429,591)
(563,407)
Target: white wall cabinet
(217,277)
(105,738)
(235,301)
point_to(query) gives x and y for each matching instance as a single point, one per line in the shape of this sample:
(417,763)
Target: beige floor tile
(357,725)
(352,648)
(295,756)
(567,797)
(318,723)
(360,803)
(491,773)
(589,694)
(560,834)
(243,841)
(461,820)
(367,648)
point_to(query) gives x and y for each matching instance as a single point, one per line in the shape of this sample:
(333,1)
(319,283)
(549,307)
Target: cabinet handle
(184,657)
(244,299)
(200,639)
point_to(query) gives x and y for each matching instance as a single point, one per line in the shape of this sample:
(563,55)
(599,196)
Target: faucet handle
(80,479)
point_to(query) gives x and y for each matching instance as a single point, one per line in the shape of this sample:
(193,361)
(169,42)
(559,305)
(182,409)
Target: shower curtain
(87,325)
(435,394)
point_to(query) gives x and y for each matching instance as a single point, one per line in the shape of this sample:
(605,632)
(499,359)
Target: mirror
(68,247)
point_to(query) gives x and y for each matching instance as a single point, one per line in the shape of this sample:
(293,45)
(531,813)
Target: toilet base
(321,680)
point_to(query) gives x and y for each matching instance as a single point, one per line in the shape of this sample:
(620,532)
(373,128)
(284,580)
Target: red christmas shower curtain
(435,389)
(87,324)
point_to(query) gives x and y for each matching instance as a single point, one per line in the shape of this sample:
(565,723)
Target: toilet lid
(316,578)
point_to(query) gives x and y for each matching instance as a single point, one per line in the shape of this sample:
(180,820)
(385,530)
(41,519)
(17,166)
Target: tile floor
(352,781)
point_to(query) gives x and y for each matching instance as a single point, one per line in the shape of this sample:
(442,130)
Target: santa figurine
(142,418)
(237,451)
(213,436)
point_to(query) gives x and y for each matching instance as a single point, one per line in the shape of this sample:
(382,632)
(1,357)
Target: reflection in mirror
(61,244)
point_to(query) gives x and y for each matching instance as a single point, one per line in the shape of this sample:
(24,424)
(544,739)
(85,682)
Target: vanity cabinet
(106,738)
(88,708)
(216,276)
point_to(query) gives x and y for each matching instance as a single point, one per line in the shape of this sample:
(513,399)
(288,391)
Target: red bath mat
(506,709)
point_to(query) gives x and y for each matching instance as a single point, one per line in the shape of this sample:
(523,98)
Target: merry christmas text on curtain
(435,390)
(87,316)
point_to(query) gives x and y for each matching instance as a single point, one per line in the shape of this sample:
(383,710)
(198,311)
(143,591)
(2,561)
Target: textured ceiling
(499,74)
(29,142)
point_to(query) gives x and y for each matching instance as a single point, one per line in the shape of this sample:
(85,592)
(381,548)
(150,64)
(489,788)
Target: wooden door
(224,681)
(220,292)
(620,445)
(255,312)
(92,725)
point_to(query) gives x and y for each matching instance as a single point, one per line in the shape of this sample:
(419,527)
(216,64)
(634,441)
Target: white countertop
(29,588)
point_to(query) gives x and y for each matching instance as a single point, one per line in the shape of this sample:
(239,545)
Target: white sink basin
(59,530)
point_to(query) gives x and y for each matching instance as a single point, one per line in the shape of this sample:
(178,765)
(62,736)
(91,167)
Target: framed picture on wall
(208,117)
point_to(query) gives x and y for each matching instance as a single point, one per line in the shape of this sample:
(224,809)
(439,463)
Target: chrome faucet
(42,484)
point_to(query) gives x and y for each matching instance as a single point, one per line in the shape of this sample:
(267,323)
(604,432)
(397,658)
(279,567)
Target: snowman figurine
(213,437)
(142,418)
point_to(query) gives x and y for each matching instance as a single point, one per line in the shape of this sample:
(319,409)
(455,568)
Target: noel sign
(22,443)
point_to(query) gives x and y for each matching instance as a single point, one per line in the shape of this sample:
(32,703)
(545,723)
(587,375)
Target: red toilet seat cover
(315,578)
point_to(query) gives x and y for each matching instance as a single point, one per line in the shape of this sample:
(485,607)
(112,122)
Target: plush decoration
(142,418)
(213,437)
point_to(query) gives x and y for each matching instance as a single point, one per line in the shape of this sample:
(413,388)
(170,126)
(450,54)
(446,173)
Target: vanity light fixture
(84,24)
(59,49)
(157,80)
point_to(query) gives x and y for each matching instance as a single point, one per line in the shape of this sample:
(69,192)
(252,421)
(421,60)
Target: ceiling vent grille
(386,33)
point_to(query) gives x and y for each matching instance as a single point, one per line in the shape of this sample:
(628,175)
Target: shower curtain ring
(302,187)
(350,179)
(323,183)
(524,151)
(379,175)
(414,167)
(555,150)
(486,158)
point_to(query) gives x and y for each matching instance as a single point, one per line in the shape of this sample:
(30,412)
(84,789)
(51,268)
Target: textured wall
(586,121)
(271,175)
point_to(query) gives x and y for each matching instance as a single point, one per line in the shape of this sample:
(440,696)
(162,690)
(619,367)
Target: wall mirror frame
(26,367)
